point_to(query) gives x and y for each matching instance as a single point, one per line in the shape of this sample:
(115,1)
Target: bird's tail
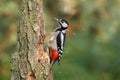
(51,64)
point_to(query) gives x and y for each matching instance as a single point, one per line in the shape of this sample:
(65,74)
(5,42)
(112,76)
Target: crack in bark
(28,53)
(19,71)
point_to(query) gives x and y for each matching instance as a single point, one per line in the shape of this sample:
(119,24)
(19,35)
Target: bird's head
(63,23)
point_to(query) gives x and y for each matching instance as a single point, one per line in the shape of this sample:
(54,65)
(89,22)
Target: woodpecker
(57,41)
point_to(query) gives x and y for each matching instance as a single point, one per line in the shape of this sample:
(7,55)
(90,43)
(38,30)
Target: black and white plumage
(60,42)
(57,38)
(63,25)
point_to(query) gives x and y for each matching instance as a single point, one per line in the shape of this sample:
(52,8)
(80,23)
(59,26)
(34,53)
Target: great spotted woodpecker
(57,41)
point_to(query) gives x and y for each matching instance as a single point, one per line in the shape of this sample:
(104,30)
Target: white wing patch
(62,39)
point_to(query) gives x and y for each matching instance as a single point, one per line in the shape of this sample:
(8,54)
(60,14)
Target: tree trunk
(31,62)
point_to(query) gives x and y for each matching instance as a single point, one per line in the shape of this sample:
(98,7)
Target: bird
(57,41)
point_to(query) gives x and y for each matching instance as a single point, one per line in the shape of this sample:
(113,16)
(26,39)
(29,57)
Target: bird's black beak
(56,19)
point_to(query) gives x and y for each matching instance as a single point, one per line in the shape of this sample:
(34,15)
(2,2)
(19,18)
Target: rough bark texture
(30,62)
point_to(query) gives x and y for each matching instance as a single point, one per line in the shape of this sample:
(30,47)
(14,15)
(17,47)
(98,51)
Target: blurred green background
(92,49)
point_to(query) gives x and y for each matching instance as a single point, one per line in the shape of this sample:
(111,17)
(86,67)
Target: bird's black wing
(60,42)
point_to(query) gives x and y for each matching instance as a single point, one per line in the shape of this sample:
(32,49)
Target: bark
(30,61)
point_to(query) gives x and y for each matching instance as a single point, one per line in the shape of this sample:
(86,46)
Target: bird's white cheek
(64,24)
